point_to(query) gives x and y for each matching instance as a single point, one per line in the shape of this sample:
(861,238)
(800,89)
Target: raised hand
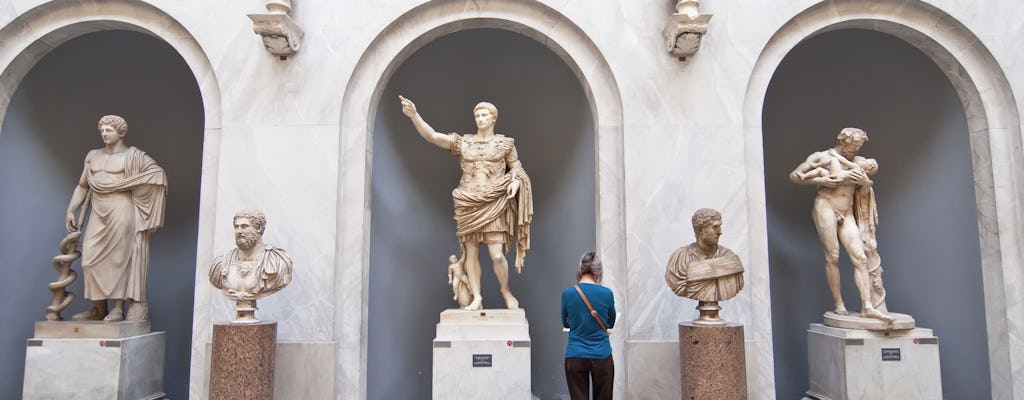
(408,107)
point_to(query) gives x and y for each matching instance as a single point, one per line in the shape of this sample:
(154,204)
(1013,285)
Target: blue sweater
(586,339)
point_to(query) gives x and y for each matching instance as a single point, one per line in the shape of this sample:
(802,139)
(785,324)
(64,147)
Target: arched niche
(541,105)
(27,41)
(928,230)
(49,127)
(362,100)
(994,133)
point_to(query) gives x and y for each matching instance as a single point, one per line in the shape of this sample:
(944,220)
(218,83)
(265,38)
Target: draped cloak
(695,276)
(272,271)
(865,211)
(124,212)
(484,213)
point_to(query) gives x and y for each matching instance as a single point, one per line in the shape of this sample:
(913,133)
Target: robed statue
(124,192)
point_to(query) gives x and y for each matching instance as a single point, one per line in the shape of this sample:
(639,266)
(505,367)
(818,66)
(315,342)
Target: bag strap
(592,312)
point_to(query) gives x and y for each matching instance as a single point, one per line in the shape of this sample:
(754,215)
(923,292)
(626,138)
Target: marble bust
(123,191)
(493,201)
(253,270)
(845,213)
(704,270)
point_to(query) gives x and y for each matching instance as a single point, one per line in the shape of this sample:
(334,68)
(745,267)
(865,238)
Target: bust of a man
(703,270)
(253,270)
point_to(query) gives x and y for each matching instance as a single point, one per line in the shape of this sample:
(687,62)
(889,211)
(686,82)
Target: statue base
(242,365)
(862,364)
(482,354)
(90,367)
(855,321)
(90,329)
(712,361)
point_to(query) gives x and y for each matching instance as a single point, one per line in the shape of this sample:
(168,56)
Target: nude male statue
(124,191)
(493,202)
(844,212)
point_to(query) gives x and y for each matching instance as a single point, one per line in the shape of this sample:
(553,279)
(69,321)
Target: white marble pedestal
(482,355)
(861,364)
(122,368)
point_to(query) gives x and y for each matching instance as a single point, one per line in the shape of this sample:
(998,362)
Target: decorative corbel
(685,29)
(281,35)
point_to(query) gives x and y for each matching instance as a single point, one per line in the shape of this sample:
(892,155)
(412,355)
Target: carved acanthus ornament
(685,29)
(282,36)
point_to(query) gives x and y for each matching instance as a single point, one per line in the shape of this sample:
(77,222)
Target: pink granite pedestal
(712,363)
(243,361)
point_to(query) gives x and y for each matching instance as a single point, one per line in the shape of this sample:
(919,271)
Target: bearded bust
(254,269)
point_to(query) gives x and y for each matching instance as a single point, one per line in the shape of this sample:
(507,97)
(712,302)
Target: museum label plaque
(481,360)
(890,354)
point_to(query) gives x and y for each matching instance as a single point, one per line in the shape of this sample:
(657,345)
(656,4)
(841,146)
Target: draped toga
(693,275)
(269,272)
(124,212)
(483,211)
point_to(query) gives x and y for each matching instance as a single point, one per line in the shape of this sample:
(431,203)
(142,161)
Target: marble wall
(294,137)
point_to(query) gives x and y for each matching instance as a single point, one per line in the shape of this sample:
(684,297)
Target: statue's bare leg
(849,234)
(94,313)
(473,273)
(501,271)
(117,313)
(827,225)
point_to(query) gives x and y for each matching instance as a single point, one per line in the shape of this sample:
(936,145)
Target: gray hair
(590,264)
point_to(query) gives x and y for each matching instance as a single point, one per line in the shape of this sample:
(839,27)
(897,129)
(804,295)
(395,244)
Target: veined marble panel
(289,172)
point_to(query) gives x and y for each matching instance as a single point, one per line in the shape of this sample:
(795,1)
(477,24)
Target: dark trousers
(580,371)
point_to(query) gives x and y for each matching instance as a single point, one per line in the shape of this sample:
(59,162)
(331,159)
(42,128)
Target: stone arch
(994,128)
(381,58)
(37,31)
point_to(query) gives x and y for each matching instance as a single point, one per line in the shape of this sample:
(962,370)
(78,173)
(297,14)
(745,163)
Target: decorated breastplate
(483,161)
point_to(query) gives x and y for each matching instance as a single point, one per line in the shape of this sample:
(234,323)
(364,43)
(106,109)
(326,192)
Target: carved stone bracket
(281,35)
(685,29)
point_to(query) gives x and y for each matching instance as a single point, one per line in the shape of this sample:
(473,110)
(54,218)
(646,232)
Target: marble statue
(493,202)
(704,270)
(124,191)
(458,281)
(253,270)
(845,213)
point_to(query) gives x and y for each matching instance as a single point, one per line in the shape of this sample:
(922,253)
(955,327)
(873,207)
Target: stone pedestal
(712,362)
(860,364)
(242,365)
(94,360)
(482,355)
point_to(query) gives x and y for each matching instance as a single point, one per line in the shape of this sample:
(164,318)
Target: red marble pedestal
(712,362)
(243,361)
